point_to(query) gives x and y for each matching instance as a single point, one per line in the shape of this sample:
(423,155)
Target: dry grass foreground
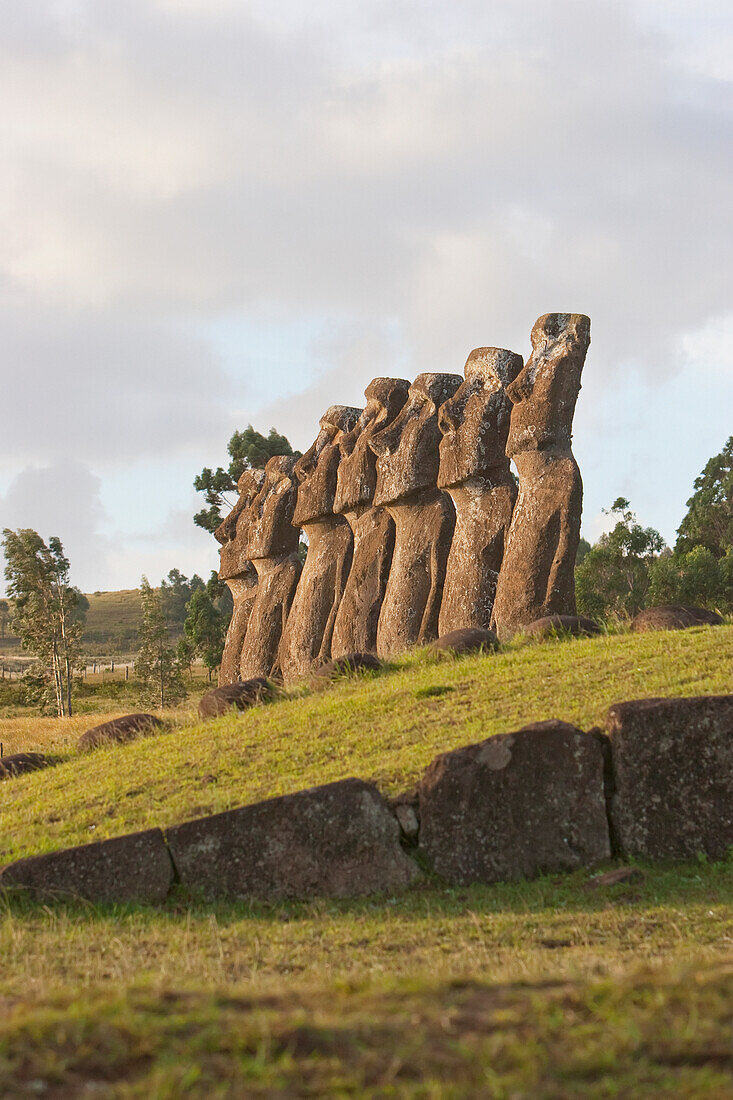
(518,990)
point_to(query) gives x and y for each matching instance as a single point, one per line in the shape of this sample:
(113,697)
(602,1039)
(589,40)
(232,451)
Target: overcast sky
(216,212)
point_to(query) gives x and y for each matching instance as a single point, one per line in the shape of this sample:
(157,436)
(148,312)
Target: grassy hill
(540,989)
(113,620)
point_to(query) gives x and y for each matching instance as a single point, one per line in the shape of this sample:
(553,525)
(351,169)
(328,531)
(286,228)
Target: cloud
(421,179)
(62,501)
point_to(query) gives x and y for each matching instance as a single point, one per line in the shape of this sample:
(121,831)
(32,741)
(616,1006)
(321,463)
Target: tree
(48,613)
(221,595)
(613,577)
(157,665)
(709,519)
(696,578)
(4,616)
(205,629)
(175,591)
(247,450)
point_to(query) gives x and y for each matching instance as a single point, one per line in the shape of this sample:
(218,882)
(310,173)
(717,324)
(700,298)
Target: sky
(222,212)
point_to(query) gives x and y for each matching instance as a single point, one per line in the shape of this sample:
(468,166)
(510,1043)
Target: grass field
(550,988)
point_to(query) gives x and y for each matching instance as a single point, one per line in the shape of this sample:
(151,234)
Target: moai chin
(537,574)
(355,629)
(407,485)
(272,547)
(474,469)
(307,637)
(238,572)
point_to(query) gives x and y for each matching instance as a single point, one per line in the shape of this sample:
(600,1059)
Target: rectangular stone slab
(134,868)
(339,840)
(673,776)
(516,805)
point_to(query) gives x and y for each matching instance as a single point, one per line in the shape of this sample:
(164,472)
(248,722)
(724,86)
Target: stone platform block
(133,868)
(338,840)
(673,777)
(516,805)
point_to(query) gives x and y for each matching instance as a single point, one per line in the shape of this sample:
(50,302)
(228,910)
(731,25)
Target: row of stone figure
(414,522)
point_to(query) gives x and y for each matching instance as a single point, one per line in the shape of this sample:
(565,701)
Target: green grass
(386,727)
(541,989)
(112,623)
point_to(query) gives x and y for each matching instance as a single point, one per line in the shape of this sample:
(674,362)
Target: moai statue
(407,485)
(355,630)
(273,549)
(474,469)
(238,572)
(537,574)
(307,638)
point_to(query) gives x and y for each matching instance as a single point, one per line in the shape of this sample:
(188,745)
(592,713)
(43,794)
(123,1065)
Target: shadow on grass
(671,886)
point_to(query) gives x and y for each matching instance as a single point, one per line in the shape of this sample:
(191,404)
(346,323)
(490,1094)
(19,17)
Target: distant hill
(112,624)
(113,620)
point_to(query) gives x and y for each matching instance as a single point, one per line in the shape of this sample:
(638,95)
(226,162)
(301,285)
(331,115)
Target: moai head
(357,472)
(317,469)
(407,450)
(545,391)
(232,533)
(475,422)
(270,515)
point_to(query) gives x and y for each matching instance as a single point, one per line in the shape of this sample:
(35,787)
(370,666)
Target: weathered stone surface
(341,666)
(238,572)
(474,469)
(241,695)
(469,640)
(674,617)
(355,629)
(673,777)
(118,730)
(407,473)
(515,806)
(339,840)
(19,763)
(134,868)
(550,625)
(307,637)
(537,573)
(272,547)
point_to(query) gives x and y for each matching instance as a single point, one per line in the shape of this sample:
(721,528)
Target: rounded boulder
(240,695)
(470,639)
(674,617)
(551,625)
(118,731)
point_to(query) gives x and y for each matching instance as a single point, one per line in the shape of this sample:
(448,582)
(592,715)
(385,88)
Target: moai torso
(238,572)
(474,470)
(272,547)
(307,638)
(355,629)
(537,574)
(407,475)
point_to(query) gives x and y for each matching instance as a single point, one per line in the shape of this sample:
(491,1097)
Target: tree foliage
(613,577)
(175,591)
(247,450)
(4,617)
(48,612)
(709,519)
(205,629)
(157,665)
(696,578)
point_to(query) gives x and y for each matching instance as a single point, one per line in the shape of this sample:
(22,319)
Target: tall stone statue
(272,547)
(474,469)
(407,485)
(355,630)
(537,574)
(307,637)
(238,572)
